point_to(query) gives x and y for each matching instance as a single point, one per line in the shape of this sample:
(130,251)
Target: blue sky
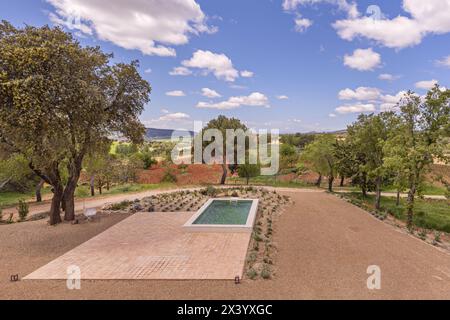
(294,65)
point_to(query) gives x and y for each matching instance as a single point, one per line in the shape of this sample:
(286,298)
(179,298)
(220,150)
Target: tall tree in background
(320,156)
(420,138)
(223,124)
(59,101)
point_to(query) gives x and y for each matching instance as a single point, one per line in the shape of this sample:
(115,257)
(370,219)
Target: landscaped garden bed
(431,218)
(260,262)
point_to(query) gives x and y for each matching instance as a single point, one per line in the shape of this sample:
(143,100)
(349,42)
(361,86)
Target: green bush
(23,209)
(120,206)
(252,274)
(266,272)
(169,177)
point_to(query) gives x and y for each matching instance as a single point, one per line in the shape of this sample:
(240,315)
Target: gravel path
(325,247)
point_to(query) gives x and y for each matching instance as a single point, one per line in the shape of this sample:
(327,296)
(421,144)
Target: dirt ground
(325,247)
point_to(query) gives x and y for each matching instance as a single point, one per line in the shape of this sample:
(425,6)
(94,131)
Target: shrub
(437,237)
(266,272)
(211,191)
(23,210)
(121,206)
(10,219)
(252,274)
(169,177)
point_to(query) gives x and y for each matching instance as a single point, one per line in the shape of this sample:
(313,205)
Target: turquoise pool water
(226,212)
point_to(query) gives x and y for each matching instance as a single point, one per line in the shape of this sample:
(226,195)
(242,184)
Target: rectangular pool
(224,215)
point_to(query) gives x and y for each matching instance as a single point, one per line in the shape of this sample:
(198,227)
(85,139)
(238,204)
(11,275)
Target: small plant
(235,194)
(120,206)
(211,191)
(169,177)
(10,219)
(23,209)
(422,235)
(252,257)
(252,274)
(437,237)
(266,272)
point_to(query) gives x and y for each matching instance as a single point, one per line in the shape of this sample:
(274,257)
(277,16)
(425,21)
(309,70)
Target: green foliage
(252,274)
(266,273)
(169,176)
(23,210)
(298,140)
(288,156)
(60,101)
(249,171)
(121,206)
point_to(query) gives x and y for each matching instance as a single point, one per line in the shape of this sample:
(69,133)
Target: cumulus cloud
(209,93)
(363,60)
(302,24)
(255,99)
(218,64)
(388,77)
(151,26)
(360,94)
(247,74)
(425,17)
(426,85)
(175,117)
(176,93)
(444,62)
(356,108)
(180,71)
(283,97)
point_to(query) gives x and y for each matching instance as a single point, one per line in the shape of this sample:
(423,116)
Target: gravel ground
(325,247)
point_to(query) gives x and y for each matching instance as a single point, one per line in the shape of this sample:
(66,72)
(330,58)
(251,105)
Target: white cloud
(297,120)
(282,97)
(363,60)
(247,74)
(356,108)
(349,7)
(360,94)
(209,93)
(148,71)
(302,24)
(256,99)
(180,71)
(151,26)
(388,77)
(427,17)
(176,93)
(390,102)
(426,85)
(444,62)
(175,117)
(218,64)
(332,115)
(165,111)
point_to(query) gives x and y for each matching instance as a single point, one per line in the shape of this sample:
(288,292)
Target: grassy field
(10,199)
(270,181)
(429,214)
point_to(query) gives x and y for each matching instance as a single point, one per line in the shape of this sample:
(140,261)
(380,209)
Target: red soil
(196,174)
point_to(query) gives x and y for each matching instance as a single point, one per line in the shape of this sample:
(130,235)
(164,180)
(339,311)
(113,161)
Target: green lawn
(270,181)
(10,199)
(429,214)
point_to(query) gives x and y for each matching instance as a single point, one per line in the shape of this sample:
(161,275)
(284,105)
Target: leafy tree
(60,100)
(369,136)
(420,138)
(223,124)
(288,156)
(344,160)
(320,156)
(249,171)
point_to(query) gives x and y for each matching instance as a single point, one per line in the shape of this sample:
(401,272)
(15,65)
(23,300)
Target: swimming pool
(224,215)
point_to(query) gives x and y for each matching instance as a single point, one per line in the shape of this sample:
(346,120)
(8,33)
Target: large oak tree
(59,101)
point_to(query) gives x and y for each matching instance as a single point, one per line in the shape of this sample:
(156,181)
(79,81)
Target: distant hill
(161,134)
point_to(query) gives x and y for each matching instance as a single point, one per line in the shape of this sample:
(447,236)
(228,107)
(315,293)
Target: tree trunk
(398,198)
(330,183)
(100,189)
(378,194)
(69,202)
(248,181)
(319,181)
(410,206)
(55,210)
(38,190)
(92,184)
(107,185)
(342,181)
(225,173)
(364,186)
